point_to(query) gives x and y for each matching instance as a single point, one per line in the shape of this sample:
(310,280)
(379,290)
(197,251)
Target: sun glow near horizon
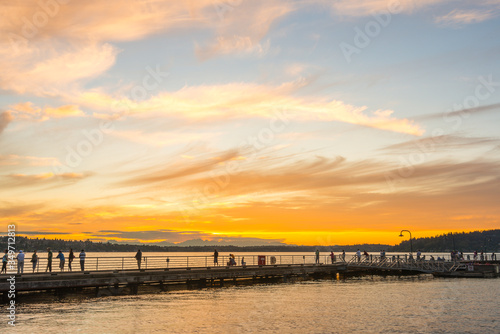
(249,122)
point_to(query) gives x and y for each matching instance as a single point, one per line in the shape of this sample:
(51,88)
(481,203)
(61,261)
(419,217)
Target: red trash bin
(261,260)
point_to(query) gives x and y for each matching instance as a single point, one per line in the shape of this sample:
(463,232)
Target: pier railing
(420,264)
(402,261)
(163,262)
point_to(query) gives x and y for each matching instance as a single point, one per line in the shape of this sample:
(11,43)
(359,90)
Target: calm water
(417,304)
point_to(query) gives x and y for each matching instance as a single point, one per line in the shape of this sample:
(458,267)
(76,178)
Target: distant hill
(487,241)
(41,244)
(465,241)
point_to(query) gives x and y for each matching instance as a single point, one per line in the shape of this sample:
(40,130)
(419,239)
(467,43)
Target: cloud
(242,28)
(463,12)
(63,111)
(182,238)
(452,116)
(458,17)
(337,177)
(23,180)
(233,44)
(443,142)
(125,21)
(43,68)
(40,233)
(28,111)
(5,119)
(164,173)
(9,210)
(247,100)
(360,8)
(72,43)
(17,160)
(162,138)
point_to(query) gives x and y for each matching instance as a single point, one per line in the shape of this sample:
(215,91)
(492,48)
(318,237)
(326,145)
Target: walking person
(49,260)
(343,255)
(34,260)
(82,260)
(4,262)
(332,256)
(60,256)
(138,257)
(317,256)
(358,254)
(216,257)
(71,256)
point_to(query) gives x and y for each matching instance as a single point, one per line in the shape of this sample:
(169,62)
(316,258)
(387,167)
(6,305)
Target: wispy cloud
(5,119)
(243,28)
(74,44)
(43,69)
(19,180)
(247,100)
(29,111)
(359,8)
(181,238)
(17,160)
(443,142)
(463,12)
(164,173)
(460,17)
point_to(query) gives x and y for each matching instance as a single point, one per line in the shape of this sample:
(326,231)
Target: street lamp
(411,243)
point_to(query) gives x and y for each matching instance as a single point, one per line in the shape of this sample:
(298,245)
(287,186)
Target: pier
(115,276)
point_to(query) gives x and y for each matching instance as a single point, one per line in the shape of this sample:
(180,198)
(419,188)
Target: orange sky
(249,122)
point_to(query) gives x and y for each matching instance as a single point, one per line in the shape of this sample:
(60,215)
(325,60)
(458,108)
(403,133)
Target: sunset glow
(249,122)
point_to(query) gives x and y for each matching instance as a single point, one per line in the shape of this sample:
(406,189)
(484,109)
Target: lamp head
(401,235)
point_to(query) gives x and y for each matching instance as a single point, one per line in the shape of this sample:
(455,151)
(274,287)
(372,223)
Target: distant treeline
(487,241)
(466,242)
(30,244)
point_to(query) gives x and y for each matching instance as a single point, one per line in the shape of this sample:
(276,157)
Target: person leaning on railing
(34,260)
(82,260)
(49,260)
(4,262)
(138,257)
(71,256)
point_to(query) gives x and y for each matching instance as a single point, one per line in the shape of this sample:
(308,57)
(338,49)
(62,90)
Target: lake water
(370,304)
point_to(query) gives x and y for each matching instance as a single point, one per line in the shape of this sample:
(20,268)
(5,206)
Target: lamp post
(411,243)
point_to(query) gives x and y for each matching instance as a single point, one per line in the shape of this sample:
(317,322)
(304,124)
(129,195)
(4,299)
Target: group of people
(231,262)
(333,258)
(35,260)
(50,257)
(481,256)
(62,260)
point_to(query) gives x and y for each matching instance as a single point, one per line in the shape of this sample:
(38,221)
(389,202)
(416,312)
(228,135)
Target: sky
(249,122)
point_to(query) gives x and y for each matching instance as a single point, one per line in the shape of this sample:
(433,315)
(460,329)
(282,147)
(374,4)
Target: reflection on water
(416,304)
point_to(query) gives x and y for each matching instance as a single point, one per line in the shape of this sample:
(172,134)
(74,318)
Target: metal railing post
(97,264)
